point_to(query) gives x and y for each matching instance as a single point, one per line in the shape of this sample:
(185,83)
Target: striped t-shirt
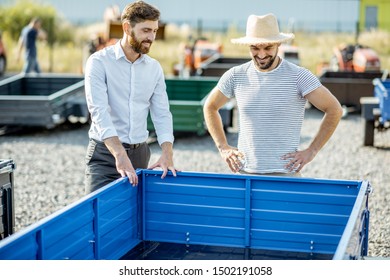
(271,108)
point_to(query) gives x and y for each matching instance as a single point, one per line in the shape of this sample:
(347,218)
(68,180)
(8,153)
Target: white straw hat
(263,30)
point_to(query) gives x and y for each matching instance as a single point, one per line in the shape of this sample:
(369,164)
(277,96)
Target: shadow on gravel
(30,131)
(383,148)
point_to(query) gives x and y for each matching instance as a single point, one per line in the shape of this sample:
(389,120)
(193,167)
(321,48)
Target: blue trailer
(376,110)
(204,216)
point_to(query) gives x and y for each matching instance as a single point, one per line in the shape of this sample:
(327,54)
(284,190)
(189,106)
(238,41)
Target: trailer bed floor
(149,250)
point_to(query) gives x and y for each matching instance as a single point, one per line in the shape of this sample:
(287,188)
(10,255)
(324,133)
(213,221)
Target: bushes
(14,18)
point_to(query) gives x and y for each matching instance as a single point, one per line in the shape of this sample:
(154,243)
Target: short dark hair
(139,11)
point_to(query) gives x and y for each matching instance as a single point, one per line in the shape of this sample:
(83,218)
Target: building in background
(374,14)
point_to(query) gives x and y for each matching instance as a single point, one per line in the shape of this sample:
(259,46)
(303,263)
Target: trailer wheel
(369,128)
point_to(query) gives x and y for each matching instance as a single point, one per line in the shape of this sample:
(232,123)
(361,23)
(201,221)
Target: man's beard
(267,65)
(138,46)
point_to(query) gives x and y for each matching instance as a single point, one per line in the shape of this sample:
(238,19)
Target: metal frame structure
(315,216)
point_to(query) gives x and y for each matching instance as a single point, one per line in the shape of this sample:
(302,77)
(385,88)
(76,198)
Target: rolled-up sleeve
(97,98)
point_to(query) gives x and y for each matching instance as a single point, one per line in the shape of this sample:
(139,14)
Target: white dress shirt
(120,94)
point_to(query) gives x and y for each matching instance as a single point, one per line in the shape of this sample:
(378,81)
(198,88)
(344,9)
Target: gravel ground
(50,167)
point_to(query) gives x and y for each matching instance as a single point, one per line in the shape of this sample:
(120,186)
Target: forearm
(115,147)
(230,155)
(166,160)
(167,149)
(328,125)
(122,161)
(215,127)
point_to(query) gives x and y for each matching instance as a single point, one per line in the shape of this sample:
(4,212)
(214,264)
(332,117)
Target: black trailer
(7,213)
(349,87)
(44,100)
(216,65)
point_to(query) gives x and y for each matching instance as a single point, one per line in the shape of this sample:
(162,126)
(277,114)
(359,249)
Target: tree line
(16,16)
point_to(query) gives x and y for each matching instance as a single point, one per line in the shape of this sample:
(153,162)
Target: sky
(307,14)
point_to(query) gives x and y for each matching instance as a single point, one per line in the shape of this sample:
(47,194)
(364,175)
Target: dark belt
(128,146)
(132,146)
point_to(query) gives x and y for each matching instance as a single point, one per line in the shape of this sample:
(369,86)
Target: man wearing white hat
(271,94)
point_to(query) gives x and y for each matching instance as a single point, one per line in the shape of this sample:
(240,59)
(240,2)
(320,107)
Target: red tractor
(355,58)
(194,55)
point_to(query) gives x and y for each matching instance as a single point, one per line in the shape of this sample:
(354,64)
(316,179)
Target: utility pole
(357,32)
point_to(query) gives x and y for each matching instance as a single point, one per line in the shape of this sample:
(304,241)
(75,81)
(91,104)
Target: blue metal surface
(382,92)
(281,214)
(103,225)
(354,242)
(260,212)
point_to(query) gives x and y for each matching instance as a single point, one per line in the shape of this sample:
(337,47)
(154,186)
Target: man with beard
(271,94)
(122,83)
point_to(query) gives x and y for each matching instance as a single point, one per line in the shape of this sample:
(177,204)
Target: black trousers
(100,163)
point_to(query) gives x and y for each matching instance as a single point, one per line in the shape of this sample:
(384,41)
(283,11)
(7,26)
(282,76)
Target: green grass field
(314,49)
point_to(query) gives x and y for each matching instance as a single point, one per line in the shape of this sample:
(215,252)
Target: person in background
(122,83)
(27,40)
(271,94)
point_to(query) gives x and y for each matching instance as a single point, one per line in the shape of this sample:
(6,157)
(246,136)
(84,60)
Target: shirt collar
(119,53)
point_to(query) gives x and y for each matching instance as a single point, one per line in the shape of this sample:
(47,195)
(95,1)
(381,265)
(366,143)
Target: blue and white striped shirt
(271,108)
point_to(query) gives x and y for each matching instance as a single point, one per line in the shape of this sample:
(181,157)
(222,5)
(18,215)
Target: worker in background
(27,40)
(271,94)
(122,83)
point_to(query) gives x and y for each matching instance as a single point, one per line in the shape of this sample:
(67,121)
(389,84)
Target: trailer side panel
(103,225)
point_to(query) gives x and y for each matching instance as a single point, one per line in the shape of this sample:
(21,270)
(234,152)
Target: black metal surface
(7,216)
(41,101)
(349,87)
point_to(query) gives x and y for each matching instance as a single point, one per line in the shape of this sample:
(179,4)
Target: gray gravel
(50,168)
